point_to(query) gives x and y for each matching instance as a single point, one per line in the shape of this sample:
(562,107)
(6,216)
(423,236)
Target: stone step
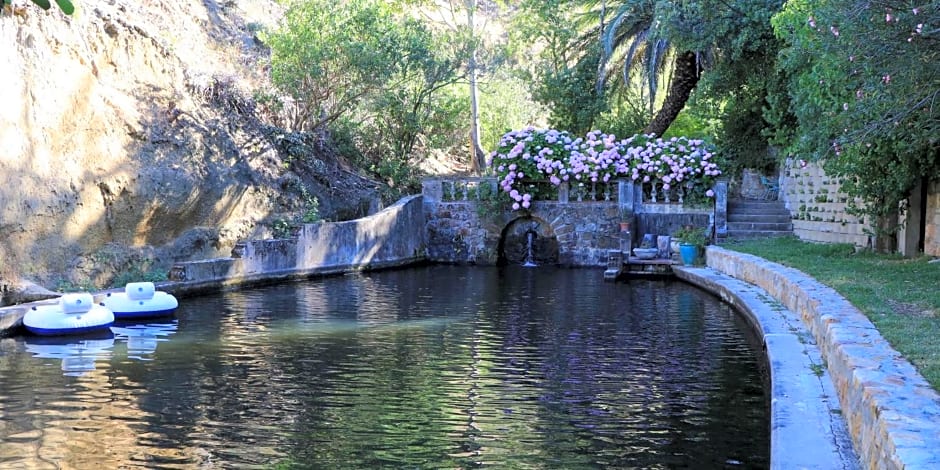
(777,208)
(752,202)
(761,226)
(742,234)
(766,218)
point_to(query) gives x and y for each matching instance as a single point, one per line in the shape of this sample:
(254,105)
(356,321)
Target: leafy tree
(696,36)
(368,71)
(329,56)
(863,81)
(546,41)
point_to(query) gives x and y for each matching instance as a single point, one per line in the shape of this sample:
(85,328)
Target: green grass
(901,296)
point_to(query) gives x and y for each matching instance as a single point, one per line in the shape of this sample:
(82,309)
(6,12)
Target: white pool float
(73,314)
(140,300)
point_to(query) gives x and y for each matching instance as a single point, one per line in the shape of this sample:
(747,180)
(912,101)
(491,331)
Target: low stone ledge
(807,426)
(390,238)
(892,412)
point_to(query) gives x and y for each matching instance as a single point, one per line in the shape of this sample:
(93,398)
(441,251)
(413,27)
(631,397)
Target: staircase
(748,218)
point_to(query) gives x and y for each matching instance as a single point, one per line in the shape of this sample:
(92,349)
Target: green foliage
(138,273)
(505,103)
(329,56)
(693,236)
(283,228)
(863,80)
(65,5)
(374,76)
(571,95)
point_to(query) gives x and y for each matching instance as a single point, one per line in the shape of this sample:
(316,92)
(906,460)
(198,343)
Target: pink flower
(526,204)
(834,31)
(515,206)
(812,22)
(710,193)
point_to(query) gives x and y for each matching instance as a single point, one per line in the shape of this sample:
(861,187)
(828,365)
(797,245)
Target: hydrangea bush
(528,156)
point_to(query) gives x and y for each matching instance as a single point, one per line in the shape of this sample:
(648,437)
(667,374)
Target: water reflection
(142,338)
(436,367)
(77,356)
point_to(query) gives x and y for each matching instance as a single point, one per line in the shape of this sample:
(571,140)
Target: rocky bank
(129,140)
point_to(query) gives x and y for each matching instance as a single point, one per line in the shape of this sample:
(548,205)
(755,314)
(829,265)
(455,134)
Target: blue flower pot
(688,253)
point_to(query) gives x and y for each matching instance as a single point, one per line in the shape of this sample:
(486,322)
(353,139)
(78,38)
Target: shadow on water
(430,367)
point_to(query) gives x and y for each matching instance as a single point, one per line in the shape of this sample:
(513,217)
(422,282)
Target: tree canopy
(853,83)
(863,87)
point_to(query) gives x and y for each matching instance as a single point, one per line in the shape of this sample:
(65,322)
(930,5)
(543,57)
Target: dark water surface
(430,367)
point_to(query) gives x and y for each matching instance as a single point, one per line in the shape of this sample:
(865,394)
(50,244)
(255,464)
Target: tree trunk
(685,77)
(477,158)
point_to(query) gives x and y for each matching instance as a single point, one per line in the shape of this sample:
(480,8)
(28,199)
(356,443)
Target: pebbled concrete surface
(893,414)
(808,430)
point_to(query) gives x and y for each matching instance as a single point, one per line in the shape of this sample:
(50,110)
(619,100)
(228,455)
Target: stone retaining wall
(892,412)
(393,237)
(817,206)
(807,423)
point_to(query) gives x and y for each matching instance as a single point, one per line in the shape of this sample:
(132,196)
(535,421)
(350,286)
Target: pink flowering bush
(530,155)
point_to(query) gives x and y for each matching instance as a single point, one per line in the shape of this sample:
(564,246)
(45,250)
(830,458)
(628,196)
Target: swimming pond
(426,367)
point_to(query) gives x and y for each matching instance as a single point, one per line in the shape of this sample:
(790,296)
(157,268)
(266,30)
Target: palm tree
(642,36)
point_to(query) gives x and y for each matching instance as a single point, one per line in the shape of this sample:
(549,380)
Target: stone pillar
(432,190)
(626,204)
(721,208)
(626,198)
(563,192)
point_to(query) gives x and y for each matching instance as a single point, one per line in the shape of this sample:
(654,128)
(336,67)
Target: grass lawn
(901,296)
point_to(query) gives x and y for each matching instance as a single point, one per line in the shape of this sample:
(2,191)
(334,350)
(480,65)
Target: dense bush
(558,157)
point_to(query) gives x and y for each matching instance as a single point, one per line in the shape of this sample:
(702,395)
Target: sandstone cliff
(129,140)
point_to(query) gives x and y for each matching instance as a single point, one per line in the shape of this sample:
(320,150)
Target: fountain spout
(529,241)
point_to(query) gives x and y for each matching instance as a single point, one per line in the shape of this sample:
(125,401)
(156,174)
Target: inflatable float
(73,314)
(78,356)
(140,300)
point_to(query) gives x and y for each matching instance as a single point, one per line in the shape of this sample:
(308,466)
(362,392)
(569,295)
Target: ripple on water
(428,367)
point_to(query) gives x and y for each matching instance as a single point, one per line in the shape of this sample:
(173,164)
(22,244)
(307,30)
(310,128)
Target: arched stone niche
(528,239)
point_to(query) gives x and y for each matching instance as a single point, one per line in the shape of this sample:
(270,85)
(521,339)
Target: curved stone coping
(807,427)
(892,412)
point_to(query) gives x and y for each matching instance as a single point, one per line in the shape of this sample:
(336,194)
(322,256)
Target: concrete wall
(891,410)
(818,206)
(392,237)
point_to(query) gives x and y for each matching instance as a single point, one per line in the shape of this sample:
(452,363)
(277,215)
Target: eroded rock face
(126,127)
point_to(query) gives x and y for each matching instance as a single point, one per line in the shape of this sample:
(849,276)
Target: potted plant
(692,241)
